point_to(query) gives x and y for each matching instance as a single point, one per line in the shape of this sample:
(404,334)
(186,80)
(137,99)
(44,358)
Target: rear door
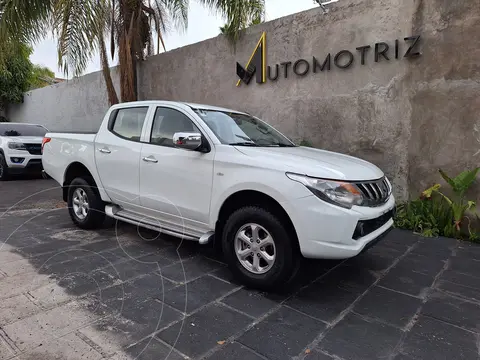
(117,154)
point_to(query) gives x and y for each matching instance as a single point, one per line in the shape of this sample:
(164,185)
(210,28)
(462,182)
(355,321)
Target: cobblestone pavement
(120,293)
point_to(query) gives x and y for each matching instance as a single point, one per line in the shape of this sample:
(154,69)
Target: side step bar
(117,213)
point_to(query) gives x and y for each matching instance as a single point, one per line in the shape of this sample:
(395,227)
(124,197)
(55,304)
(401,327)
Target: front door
(175,184)
(117,155)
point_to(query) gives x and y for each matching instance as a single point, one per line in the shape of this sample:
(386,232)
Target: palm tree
(81,27)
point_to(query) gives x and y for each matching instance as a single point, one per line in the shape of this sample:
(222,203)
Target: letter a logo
(257,64)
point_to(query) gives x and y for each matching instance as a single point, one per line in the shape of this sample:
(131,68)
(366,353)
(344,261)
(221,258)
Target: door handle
(105,151)
(150,159)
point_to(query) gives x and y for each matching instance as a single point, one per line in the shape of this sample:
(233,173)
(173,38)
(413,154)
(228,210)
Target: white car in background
(20,148)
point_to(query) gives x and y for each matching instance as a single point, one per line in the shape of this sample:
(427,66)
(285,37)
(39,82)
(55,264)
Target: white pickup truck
(206,173)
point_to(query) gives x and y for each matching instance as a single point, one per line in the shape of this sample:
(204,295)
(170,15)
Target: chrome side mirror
(187,140)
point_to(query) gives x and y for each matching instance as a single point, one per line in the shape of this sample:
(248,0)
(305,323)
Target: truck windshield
(7,129)
(242,129)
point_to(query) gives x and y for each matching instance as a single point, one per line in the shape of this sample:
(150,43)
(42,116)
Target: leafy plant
(457,202)
(430,218)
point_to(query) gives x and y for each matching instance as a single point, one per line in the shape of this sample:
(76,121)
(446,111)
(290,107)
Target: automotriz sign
(381,51)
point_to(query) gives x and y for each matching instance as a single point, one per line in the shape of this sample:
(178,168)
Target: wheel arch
(250,197)
(74,170)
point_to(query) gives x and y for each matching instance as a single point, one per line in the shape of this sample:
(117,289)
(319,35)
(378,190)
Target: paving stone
(379,302)
(190,269)
(22,283)
(376,259)
(453,310)
(408,281)
(51,247)
(398,239)
(197,293)
(471,268)
(468,252)
(225,274)
(282,334)
(438,248)
(16,308)
(99,246)
(69,347)
(234,351)
(317,355)
(145,318)
(152,349)
(356,338)
(82,283)
(199,333)
(132,251)
(181,250)
(421,264)
(351,278)
(21,240)
(42,327)
(130,269)
(466,292)
(17,267)
(322,301)
(115,298)
(252,302)
(460,279)
(433,339)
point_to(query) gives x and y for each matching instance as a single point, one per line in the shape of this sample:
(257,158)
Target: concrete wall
(410,116)
(75,105)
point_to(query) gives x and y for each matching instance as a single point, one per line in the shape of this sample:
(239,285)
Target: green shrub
(436,214)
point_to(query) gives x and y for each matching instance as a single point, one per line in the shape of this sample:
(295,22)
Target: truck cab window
(129,123)
(166,123)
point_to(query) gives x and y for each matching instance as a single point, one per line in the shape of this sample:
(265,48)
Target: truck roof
(181,103)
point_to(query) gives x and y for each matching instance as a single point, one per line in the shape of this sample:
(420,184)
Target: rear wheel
(85,205)
(260,251)
(3,168)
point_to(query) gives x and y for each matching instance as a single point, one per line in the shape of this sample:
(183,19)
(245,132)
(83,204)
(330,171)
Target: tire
(3,168)
(95,216)
(287,257)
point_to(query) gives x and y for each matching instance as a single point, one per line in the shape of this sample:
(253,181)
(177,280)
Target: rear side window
(128,123)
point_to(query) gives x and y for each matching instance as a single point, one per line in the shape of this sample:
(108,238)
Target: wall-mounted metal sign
(257,64)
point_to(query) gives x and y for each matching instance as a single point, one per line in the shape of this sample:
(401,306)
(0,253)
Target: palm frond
(78,24)
(238,14)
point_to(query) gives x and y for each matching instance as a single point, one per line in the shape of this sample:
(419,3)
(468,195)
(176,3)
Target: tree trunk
(127,69)
(112,93)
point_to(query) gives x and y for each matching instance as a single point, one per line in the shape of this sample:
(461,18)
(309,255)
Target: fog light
(17,160)
(359,231)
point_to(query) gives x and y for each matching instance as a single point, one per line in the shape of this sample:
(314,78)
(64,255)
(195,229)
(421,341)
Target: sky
(202,25)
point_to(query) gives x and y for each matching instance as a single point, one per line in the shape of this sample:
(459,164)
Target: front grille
(375,193)
(34,149)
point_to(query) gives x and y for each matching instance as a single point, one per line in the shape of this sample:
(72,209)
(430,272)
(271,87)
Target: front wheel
(260,251)
(3,168)
(85,205)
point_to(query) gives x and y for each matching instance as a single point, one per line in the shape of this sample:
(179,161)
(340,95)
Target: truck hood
(314,162)
(25,139)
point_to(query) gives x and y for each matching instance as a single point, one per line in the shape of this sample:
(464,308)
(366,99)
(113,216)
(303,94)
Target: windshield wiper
(243,143)
(280,145)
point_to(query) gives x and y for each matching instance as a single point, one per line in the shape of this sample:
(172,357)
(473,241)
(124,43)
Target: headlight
(16,146)
(340,193)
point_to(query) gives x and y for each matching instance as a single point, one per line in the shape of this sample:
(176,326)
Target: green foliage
(426,217)
(15,73)
(239,14)
(437,214)
(41,77)
(3,119)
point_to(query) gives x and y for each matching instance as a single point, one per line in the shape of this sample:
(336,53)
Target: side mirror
(187,140)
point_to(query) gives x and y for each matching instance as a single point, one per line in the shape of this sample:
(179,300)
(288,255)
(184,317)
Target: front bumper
(327,231)
(29,163)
